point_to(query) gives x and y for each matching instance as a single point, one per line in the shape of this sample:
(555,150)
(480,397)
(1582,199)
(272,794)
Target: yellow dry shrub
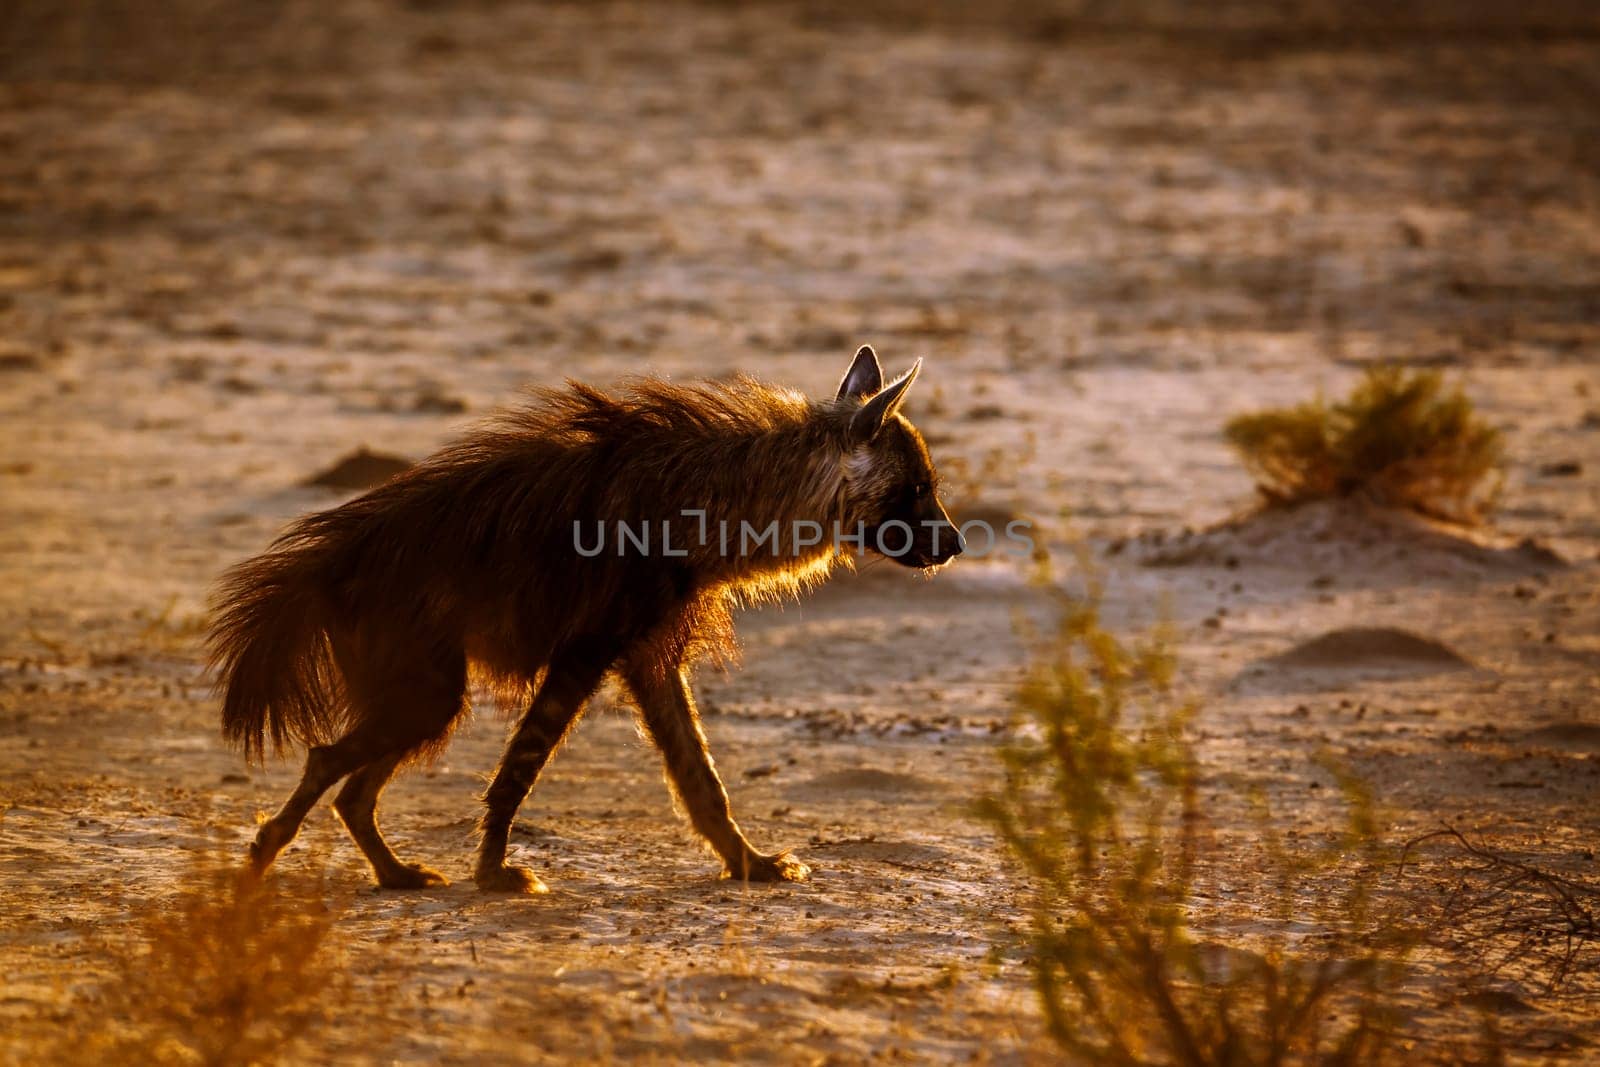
(1401,438)
(1099,808)
(234,970)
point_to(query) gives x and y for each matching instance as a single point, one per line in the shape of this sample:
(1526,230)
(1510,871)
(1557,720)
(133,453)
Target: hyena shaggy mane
(354,633)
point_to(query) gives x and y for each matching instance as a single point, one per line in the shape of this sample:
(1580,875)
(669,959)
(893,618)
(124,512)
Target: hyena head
(891,488)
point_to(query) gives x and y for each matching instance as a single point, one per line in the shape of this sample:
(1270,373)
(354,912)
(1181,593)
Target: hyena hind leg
(325,765)
(669,714)
(357,805)
(407,713)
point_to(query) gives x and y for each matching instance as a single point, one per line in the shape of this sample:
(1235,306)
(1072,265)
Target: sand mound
(1582,735)
(360,469)
(996,515)
(1364,648)
(869,780)
(1349,540)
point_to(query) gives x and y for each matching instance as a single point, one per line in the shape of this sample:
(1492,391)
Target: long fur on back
(380,604)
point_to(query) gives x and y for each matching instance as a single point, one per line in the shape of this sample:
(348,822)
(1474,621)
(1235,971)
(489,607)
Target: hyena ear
(865,424)
(864,377)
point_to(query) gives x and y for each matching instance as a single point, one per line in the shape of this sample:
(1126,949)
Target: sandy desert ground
(369,225)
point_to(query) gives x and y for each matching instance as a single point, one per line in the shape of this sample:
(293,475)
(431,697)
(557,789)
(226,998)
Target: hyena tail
(271,652)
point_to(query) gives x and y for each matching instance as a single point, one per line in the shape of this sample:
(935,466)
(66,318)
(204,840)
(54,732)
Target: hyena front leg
(567,684)
(667,705)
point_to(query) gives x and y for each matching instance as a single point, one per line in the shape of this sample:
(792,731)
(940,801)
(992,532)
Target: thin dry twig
(1511,916)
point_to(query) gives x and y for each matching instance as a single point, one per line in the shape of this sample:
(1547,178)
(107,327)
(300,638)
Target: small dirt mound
(1350,541)
(16,359)
(1367,648)
(361,469)
(1579,735)
(869,780)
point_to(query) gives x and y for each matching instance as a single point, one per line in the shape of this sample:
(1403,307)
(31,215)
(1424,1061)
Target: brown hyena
(354,633)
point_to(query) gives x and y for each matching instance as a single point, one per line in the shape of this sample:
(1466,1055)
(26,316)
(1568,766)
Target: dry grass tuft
(1402,438)
(234,971)
(1100,809)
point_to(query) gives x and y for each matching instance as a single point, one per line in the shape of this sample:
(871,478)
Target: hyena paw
(780,868)
(412,876)
(508,879)
(269,841)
